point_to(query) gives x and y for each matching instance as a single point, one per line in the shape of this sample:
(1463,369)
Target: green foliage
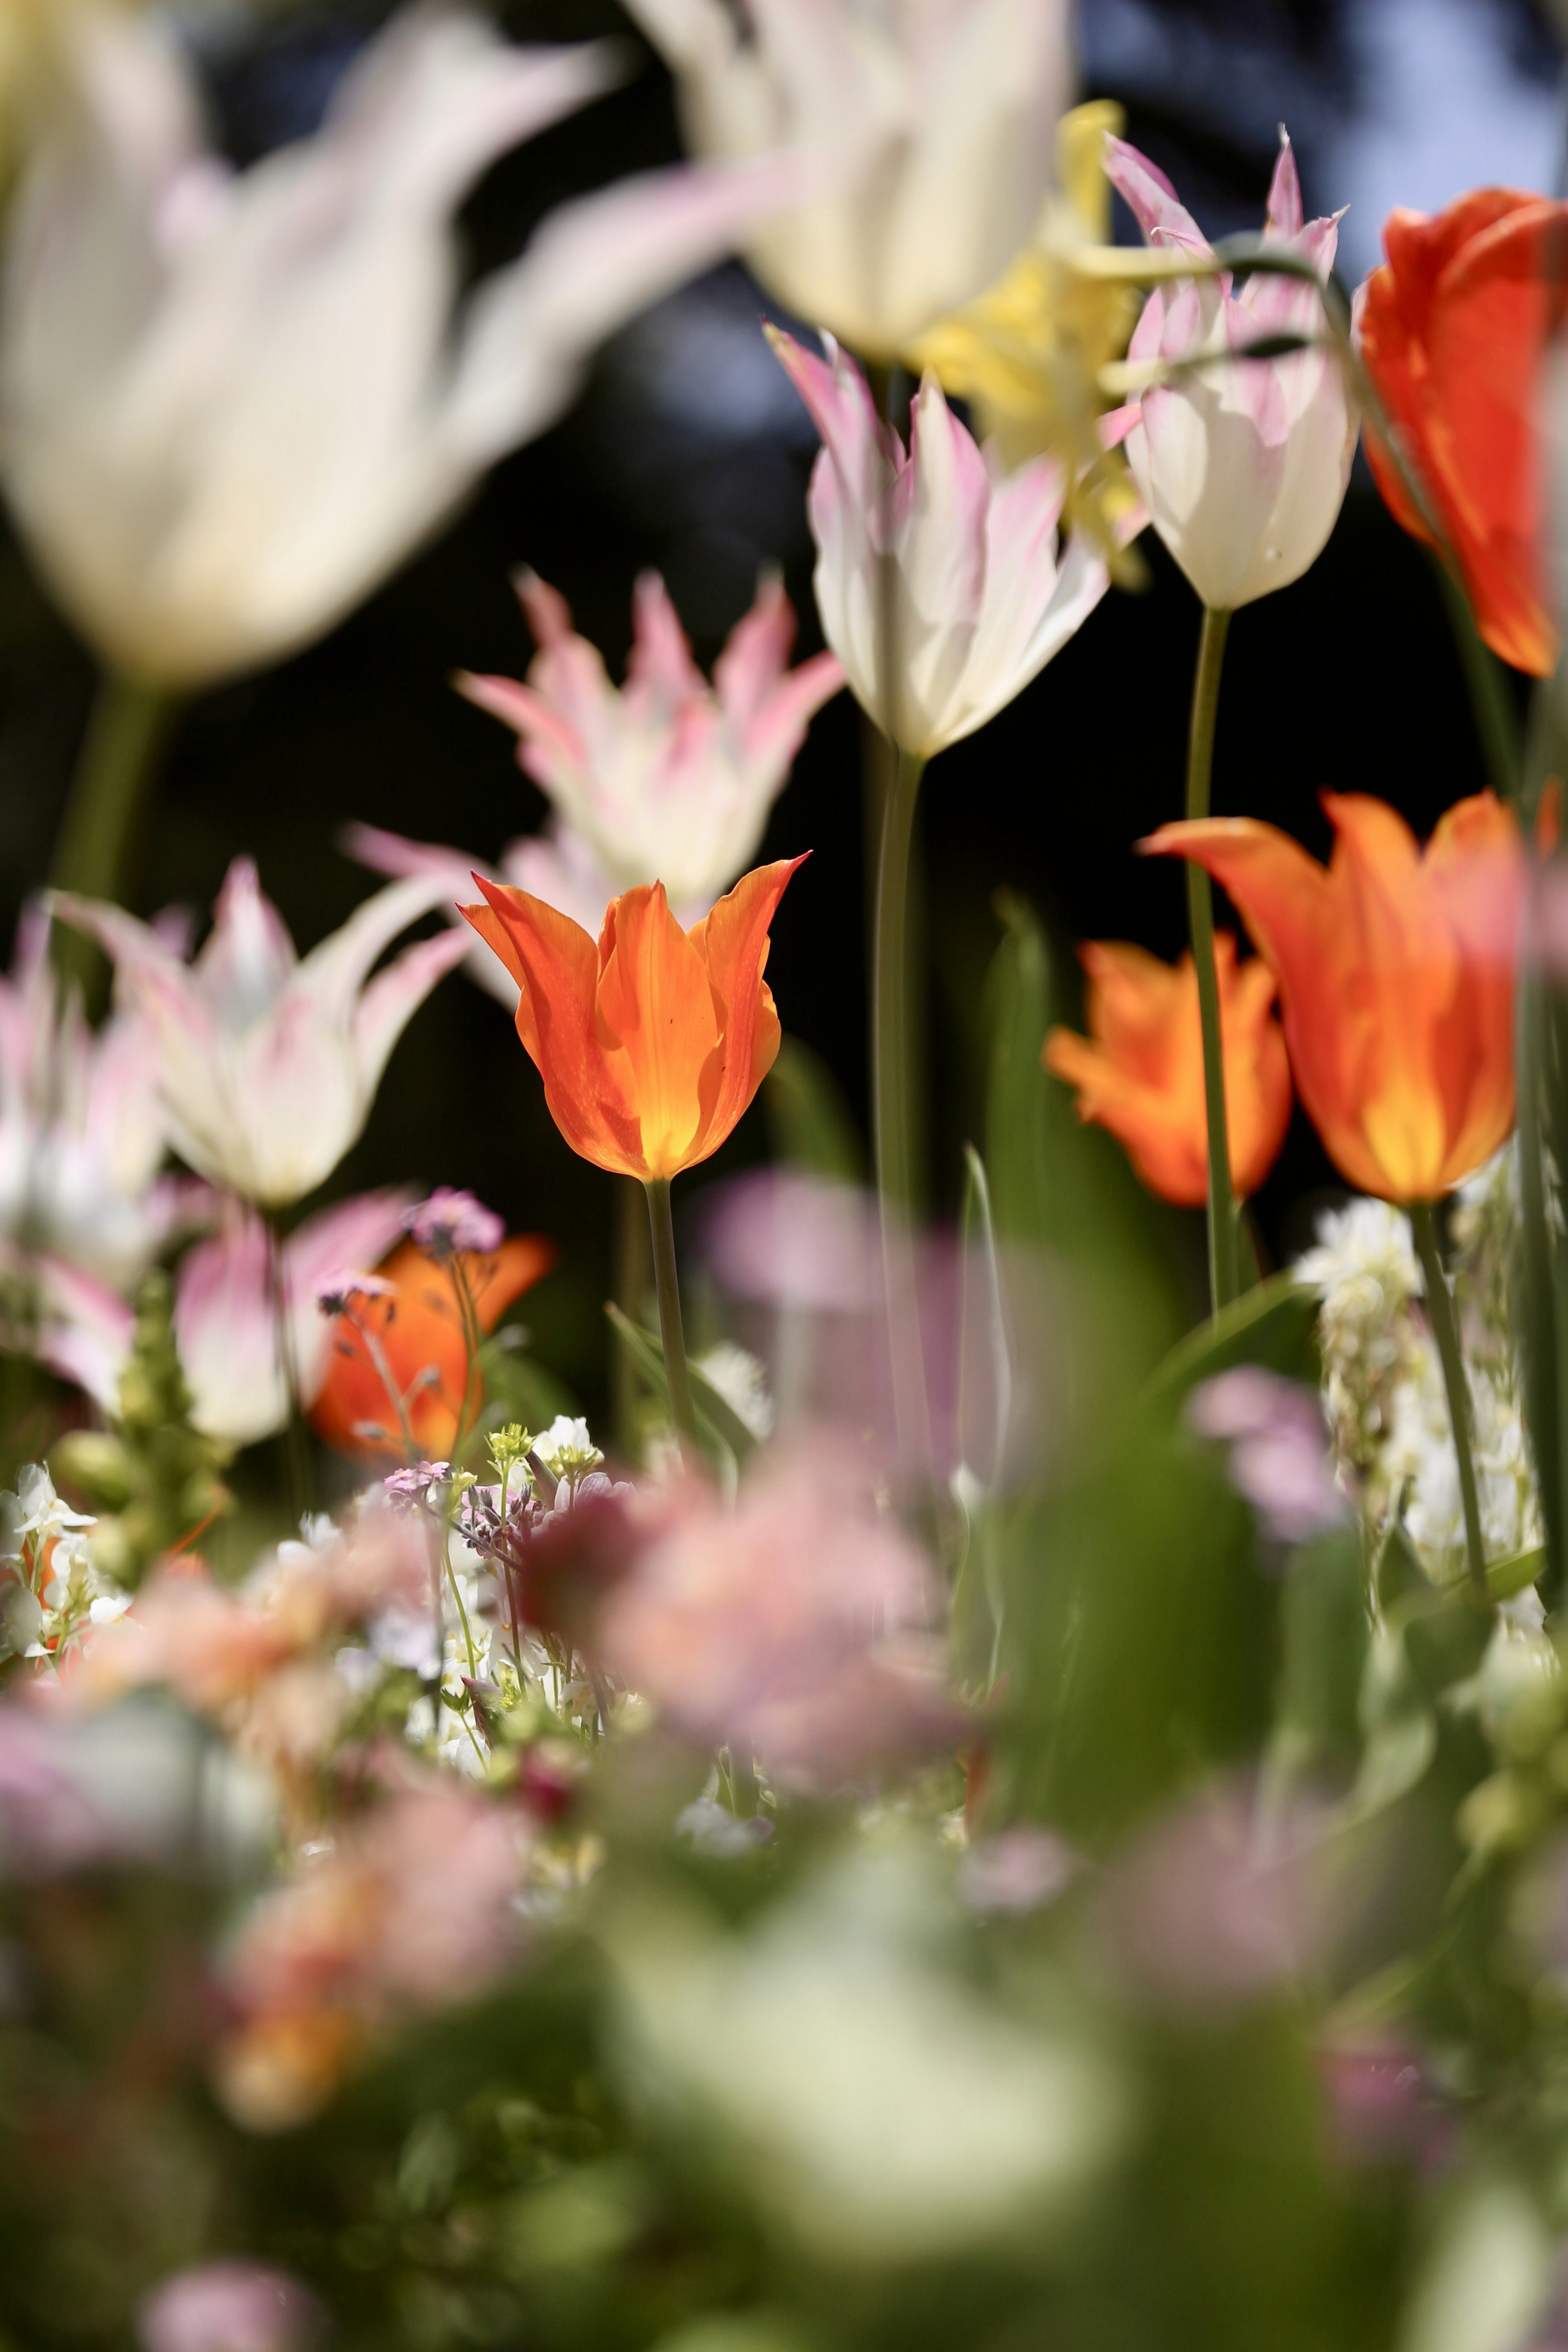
(809,1121)
(155,1481)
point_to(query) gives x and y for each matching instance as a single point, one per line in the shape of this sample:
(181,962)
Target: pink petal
(390,852)
(393,996)
(546,740)
(355,1235)
(778,731)
(85,1330)
(249,957)
(661,668)
(545,609)
(332,974)
(1114,427)
(1285,215)
(1149,195)
(864,451)
(755,653)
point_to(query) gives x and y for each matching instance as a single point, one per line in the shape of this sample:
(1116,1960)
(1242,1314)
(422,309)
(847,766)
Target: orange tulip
(1140,1072)
(653,1045)
(1395,972)
(416,1326)
(1454,329)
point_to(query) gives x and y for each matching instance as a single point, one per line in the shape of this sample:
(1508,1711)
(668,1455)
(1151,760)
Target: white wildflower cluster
(742,1382)
(1382,1380)
(50,1591)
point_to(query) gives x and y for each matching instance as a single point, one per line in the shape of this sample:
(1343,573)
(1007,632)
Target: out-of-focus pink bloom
(668,779)
(791,1627)
(938,575)
(410,1909)
(556,865)
(82,1129)
(277,407)
(269,1062)
(1243,465)
(950,110)
(225,1321)
(1218,1903)
(230,2307)
(1278,1444)
(1380,2102)
(450,1224)
(1018,1870)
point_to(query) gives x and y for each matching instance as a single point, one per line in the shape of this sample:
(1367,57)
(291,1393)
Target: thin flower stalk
(671,1331)
(1225,1271)
(1446,1332)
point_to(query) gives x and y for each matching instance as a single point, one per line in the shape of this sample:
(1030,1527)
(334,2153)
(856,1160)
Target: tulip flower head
(938,577)
(1395,972)
(652,1045)
(1454,330)
(1243,465)
(1140,1072)
(668,779)
(267,1062)
(275,409)
(946,110)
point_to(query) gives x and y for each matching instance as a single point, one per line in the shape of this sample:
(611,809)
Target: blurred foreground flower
(273,410)
(1140,1071)
(410,1909)
(652,1046)
(1395,972)
(1278,1441)
(791,1628)
(1454,330)
(1027,355)
(948,112)
(1243,464)
(82,1131)
(668,779)
(979,601)
(269,1063)
(230,2307)
(399,1376)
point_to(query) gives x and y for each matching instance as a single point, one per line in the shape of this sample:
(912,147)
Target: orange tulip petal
(733,943)
(658,1020)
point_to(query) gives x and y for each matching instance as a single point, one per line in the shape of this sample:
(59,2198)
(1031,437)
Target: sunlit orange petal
(658,1020)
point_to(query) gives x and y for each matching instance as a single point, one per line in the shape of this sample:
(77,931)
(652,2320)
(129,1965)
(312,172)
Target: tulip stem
(1446,1331)
(891,1047)
(298,1499)
(1224,1265)
(668,1284)
(127,730)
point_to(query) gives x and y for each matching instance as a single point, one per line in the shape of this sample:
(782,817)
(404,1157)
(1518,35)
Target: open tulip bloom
(268,1062)
(1243,464)
(947,111)
(217,464)
(1140,1072)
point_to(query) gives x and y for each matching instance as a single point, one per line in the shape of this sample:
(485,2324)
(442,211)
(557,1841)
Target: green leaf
(985,1370)
(723,1435)
(809,1121)
(1272,1326)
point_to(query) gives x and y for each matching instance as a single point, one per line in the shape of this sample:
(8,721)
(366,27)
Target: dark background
(689,451)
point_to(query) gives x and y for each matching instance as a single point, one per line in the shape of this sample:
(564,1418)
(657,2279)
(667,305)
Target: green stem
(1446,1331)
(632,1273)
(1224,1270)
(1492,704)
(127,732)
(891,1047)
(668,1284)
(295,1440)
(1537,1288)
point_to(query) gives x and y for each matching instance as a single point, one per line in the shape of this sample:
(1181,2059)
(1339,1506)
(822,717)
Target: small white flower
(742,1382)
(566,1449)
(109,1608)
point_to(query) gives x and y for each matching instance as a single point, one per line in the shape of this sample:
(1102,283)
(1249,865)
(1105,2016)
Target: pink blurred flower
(981,599)
(268,1064)
(793,1626)
(1018,1870)
(412,1908)
(1381,2104)
(668,779)
(1243,465)
(283,398)
(226,1322)
(234,2307)
(82,1129)
(1278,1444)
(449,1223)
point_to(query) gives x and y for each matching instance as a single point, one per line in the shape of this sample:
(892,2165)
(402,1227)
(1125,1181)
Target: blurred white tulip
(230,405)
(951,105)
(268,1065)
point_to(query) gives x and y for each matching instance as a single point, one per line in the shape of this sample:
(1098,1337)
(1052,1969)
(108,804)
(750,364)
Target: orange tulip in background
(1454,329)
(1395,972)
(1140,1072)
(419,1330)
(651,1044)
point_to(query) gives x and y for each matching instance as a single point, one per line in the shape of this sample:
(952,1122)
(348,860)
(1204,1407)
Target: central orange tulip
(1395,972)
(652,1044)
(1454,329)
(1140,1072)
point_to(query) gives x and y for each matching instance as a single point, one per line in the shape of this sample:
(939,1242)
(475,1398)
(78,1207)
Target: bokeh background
(689,451)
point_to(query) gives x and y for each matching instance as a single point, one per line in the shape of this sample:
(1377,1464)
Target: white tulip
(232,405)
(950,108)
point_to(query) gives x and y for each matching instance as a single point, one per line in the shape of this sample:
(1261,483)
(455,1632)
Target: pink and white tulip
(1243,465)
(267,1064)
(940,579)
(949,106)
(668,779)
(83,1137)
(232,405)
(226,1323)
